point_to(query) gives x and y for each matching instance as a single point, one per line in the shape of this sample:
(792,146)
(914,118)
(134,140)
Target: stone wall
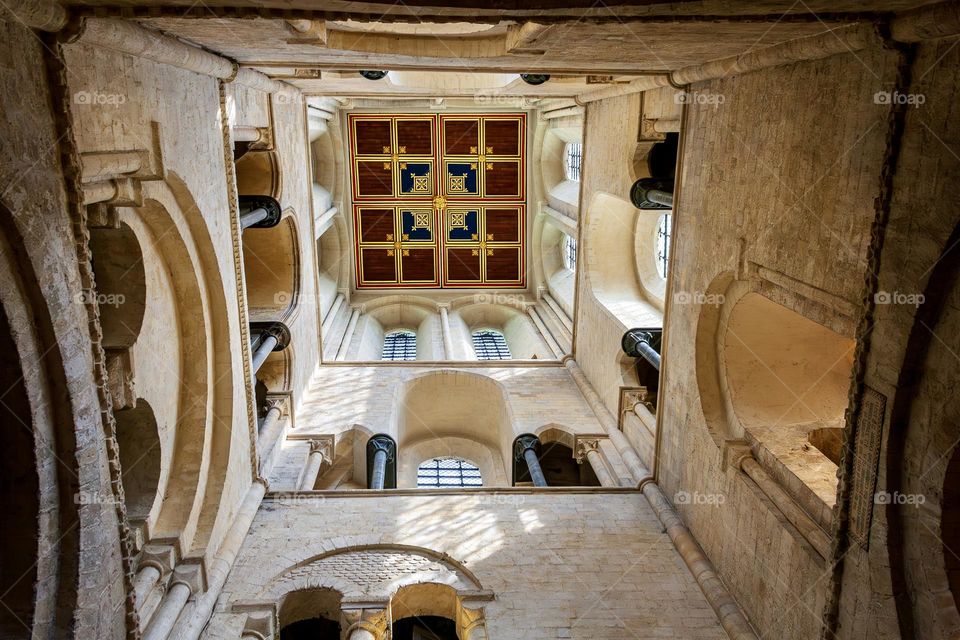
(559,565)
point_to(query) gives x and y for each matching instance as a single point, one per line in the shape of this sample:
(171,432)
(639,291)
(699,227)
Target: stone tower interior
(480,320)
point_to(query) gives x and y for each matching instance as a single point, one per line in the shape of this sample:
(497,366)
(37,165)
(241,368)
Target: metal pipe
(379,469)
(660,197)
(637,343)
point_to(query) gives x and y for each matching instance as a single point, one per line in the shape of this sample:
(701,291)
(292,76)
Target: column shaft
(168,612)
(145,581)
(600,469)
(264,348)
(311,471)
(379,470)
(253,217)
(445,332)
(536,473)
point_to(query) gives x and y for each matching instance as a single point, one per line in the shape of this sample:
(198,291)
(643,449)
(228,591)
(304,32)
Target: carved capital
(324,446)
(733,452)
(584,446)
(369,616)
(191,573)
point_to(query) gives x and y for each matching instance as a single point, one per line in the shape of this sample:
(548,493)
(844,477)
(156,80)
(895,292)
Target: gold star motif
(489,149)
(475,252)
(440,203)
(473,149)
(390,252)
(473,165)
(405,236)
(403,165)
(489,252)
(489,236)
(386,165)
(489,166)
(386,149)
(406,252)
(473,236)
(389,237)
(403,149)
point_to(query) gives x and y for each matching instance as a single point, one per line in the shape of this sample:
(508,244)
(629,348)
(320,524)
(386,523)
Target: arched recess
(332,255)
(785,377)
(258,174)
(271,264)
(201,451)
(484,456)
(475,409)
(921,463)
(138,439)
(558,277)
(391,313)
(561,193)
(560,466)
(40,481)
(610,262)
(310,614)
(167,369)
(438,609)
(121,284)
(521,334)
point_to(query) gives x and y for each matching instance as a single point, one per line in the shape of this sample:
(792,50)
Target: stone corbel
(630,397)
(311,32)
(159,555)
(191,572)
(368,616)
(120,377)
(279,401)
(112,178)
(261,622)
(649,132)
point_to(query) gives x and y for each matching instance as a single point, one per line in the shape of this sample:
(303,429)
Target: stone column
(445,332)
(187,579)
(525,447)
(589,449)
(382,451)
(269,337)
(319,453)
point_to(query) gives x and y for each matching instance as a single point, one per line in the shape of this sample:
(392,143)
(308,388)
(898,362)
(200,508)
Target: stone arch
(610,262)
(40,482)
(138,439)
(785,376)
(271,264)
(560,466)
(309,604)
(562,193)
(437,600)
(392,313)
(485,457)
(521,334)
(476,409)
(201,451)
(121,287)
(370,571)
(259,174)
(921,454)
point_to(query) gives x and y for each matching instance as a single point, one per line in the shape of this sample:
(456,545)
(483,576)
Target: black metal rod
(379,469)
(264,348)
(649,354)
(660,197)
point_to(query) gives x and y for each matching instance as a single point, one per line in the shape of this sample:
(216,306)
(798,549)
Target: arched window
(663,244)
(572,155)
(569,252)
(400,345)
(490,345)
(440,473)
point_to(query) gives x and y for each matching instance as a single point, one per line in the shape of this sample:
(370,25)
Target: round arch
(271,265)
